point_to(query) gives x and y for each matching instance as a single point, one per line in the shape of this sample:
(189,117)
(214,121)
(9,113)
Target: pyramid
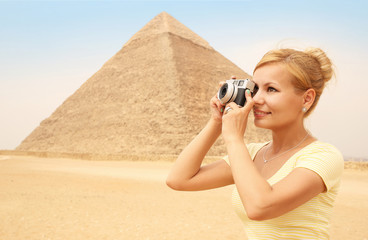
(151,98)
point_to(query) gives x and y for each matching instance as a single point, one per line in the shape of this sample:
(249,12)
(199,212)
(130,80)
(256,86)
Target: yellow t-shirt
(310,220)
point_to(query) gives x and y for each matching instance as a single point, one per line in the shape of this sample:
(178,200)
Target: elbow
(258,212)
(256,215)
(174,184)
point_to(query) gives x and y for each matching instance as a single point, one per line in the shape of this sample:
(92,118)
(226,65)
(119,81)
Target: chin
(261,124)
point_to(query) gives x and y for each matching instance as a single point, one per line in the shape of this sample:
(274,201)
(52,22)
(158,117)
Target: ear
(309,97)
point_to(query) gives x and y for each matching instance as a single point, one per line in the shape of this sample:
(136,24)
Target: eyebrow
(270,83)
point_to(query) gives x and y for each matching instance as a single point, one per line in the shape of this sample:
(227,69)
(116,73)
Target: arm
(187,172)
(261,200)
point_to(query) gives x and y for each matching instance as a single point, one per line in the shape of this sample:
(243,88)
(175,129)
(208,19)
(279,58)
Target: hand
(234,121)
(217,108)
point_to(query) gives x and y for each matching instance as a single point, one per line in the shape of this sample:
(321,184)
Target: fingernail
(248,91)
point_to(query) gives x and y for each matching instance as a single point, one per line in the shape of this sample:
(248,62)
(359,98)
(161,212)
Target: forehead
(275,73)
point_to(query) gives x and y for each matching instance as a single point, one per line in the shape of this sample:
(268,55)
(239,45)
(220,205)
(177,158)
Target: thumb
(249,103)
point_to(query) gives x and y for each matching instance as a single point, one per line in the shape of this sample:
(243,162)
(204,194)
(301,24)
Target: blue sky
(49,48)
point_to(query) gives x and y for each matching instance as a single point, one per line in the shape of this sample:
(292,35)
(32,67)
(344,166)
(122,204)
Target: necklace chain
(264,153)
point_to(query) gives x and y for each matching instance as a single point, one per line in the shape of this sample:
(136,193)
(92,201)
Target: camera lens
(223,90)
(227,93)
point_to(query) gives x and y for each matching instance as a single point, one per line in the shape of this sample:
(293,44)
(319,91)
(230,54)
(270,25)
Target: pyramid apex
(165,23)
(163,13)
(140,98)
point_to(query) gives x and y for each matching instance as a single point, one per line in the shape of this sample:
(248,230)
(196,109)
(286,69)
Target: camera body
(233,90)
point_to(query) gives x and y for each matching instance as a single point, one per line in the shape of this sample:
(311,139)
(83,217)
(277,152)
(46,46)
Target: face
(277,104)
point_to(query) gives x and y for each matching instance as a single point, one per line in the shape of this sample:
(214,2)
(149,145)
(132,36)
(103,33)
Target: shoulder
(253,148)
(323,152)
(324,159)
(322,147)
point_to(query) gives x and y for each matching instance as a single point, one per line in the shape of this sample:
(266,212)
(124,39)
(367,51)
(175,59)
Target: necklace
(264,153)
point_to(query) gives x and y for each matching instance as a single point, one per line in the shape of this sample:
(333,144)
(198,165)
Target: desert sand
(51,198)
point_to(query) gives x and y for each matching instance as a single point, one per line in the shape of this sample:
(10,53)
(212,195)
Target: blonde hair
(311,68)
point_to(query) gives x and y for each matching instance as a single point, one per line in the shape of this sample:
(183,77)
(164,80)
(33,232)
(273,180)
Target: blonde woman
(285,188)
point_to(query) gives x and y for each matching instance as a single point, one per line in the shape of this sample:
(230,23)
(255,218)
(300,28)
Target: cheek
(288,106)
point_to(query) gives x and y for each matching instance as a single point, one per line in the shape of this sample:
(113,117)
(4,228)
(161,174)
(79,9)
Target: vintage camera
(234,91)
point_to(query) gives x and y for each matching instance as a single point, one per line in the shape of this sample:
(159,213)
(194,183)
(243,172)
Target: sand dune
(50,198)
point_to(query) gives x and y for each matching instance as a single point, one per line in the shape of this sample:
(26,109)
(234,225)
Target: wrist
(215,123)
(234,141)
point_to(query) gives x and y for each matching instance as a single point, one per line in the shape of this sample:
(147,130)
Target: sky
(48,49)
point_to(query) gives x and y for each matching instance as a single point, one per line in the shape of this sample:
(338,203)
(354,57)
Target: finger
(232,106)
(220,106)
(217,104)
(249,101)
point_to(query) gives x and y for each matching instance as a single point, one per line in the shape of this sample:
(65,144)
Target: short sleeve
(226,159)
(325,160)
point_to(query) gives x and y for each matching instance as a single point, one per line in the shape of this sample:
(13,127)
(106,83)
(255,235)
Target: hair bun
(324,62)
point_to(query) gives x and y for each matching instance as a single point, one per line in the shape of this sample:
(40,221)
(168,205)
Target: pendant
(265,161)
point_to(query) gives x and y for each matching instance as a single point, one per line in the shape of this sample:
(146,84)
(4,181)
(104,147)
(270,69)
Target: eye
(271,89)
(255,90)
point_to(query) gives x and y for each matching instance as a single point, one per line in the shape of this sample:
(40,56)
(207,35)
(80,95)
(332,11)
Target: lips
(258,113)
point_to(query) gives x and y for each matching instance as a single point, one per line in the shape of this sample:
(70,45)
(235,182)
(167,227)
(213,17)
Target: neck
(286,139)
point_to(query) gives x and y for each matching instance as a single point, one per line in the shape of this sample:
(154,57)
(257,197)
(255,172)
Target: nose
(258,97)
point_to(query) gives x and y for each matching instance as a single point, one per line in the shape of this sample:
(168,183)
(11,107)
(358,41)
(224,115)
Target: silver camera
(234,91)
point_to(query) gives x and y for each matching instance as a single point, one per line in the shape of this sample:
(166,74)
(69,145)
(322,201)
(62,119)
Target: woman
(285,188)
